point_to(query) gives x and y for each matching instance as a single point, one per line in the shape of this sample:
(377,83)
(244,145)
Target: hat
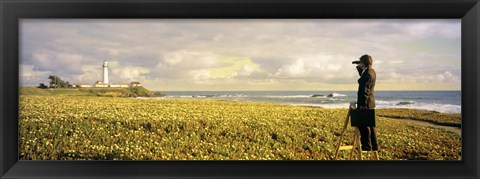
(365,59)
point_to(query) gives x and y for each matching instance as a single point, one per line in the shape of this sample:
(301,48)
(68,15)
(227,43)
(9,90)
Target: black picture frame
(13,10)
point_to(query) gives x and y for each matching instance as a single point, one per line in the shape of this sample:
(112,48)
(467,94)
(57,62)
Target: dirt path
(429,124)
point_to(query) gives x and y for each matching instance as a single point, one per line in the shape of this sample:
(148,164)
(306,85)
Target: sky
(243,54)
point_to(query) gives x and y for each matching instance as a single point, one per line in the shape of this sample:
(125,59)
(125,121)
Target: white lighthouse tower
(105,72)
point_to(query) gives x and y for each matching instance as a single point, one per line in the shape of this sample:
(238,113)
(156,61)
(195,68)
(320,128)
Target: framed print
(239,89)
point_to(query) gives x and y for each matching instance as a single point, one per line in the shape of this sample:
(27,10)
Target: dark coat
(366,85)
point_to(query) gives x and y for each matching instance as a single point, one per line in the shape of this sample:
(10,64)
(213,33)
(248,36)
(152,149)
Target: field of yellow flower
(104,128)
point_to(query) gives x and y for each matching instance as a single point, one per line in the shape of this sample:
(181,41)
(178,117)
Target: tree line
(56,82)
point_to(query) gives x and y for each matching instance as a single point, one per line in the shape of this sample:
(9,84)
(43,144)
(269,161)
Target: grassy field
(98,128)
(105,92)
(423,115)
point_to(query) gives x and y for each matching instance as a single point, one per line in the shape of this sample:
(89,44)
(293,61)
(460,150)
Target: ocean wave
(395,102)
(444,108)
(181,96)
(232,95)
(287,96)
(334,99)
(334,94)
(208,96)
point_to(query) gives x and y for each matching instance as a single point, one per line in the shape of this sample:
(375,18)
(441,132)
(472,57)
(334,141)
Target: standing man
(366,100)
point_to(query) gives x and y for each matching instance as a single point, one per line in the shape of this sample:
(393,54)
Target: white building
(118,85)
(100,84)
(82,85)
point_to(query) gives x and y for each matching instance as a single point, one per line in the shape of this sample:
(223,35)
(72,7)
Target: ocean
(441,101)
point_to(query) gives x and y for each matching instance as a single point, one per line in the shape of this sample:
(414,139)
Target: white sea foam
(305,96)
(394,102)
(182,96)
(333,99)
(444,108)
(232,95)
(334,94)
(288,96)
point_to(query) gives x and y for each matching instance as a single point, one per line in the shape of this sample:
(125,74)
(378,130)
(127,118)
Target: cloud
(242,53)
(444,77)
(28,75)
(433,29)
(246,70)
(64,62)
(293,70)
(319,68)
(200,75)
(190,60)
(180,64)
(129,74)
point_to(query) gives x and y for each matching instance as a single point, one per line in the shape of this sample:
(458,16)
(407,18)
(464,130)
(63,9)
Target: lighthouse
(105,72)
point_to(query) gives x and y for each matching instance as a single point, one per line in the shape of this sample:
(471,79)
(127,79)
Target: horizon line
(290,90)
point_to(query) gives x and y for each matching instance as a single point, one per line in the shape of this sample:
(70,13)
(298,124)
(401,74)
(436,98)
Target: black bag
(363,117)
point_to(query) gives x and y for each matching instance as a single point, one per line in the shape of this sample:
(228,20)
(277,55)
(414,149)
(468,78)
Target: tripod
(356,146)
